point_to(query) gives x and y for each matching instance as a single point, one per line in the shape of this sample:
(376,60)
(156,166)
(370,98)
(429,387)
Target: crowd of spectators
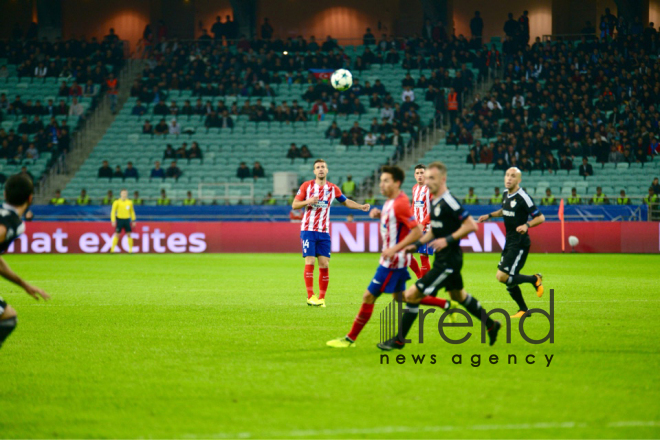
(558,104)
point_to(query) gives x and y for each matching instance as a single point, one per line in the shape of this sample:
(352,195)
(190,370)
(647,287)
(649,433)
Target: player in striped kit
(421,202)
(316,196)
(398,229)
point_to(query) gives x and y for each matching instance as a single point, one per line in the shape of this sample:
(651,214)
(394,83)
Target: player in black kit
(18,196)
(450,222)
(517,207)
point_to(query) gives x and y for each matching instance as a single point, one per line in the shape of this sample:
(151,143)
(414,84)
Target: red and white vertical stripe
(421,202)
(390,228)
(317,217)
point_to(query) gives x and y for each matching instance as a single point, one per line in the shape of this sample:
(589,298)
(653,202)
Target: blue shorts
(388,281)
(315,244)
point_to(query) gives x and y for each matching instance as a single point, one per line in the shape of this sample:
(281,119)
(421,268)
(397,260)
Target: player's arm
(113,213)
(10,275)
(300,202)
(537,218)
(354,205)
(412,237)
(468,226)
(485,217)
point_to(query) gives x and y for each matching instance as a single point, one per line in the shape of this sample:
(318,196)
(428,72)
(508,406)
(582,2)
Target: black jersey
(10,219)
(447,215)
(516,209)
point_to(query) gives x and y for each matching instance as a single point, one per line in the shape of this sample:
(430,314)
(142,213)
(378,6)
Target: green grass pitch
(221,346)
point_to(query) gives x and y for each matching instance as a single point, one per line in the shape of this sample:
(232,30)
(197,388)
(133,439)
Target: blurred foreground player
(517,207)
(123,218)
(18,196)
(450,222)
(398,229)
(316,196)
(421,202)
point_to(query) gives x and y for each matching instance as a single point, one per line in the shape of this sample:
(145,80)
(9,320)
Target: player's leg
(415,267)
(512,263)
(324,274)
(115,239)
(472,305)
(425,263)
(363,316)
(378,285)
(129,231)
(309,254)
(418,293)
(8,320)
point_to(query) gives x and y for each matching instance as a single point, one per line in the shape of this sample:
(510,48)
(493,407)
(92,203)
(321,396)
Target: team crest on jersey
(437,210)
(513,203)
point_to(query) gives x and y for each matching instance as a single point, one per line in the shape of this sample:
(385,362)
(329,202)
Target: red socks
(415,267)
(426,266)
(324,278)
(433,301)
(309,279)
(361,320)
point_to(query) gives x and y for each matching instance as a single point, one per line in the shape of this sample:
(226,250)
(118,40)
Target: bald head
(512,179)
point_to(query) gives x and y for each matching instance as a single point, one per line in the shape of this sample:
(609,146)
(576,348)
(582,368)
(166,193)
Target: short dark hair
(397,173)
(421,166)
(18,189)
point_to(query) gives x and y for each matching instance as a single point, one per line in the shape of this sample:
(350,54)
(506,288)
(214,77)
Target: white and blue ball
(341,80)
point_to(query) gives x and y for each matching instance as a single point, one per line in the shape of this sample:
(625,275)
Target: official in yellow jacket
(122,217)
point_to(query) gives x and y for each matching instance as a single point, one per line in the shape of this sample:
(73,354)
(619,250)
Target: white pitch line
(420,429)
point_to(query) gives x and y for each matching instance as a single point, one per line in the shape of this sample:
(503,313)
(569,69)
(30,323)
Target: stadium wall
(243,237)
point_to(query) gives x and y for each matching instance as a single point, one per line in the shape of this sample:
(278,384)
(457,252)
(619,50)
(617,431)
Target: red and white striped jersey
(317,216)
(421,203)
(396,221)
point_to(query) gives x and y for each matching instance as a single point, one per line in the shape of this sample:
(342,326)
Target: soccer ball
(341,80)
(573,240)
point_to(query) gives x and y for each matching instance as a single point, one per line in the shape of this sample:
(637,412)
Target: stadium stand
(46,91)
(550,104)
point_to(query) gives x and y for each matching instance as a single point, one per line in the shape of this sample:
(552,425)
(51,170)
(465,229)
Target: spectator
(269,200)
(368,38)
(586,169)
(76,109)
(161,128)
(157,172)
(173,172)
(57,200)
(549,199)
(243,172)
(83,199)
(348,187)
(147,128)
(118,174)
(163,200)
(333,132)
(108,199)
(477,28)
(113,90)
(623,199)
(305,153)
(651,200)
(105,171)
(137,201)
(195,152)
(656,186)
(131,172)
(486,154)
(293,152)
(138,109)
(75,90)
(258,171)
(174,128)
(471,198)
(497,197)
(370,139)
(574,199)
(169,152)
(189,200)
(599,198)
(565,163)
(472,158)
(226,121)
(267,30)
